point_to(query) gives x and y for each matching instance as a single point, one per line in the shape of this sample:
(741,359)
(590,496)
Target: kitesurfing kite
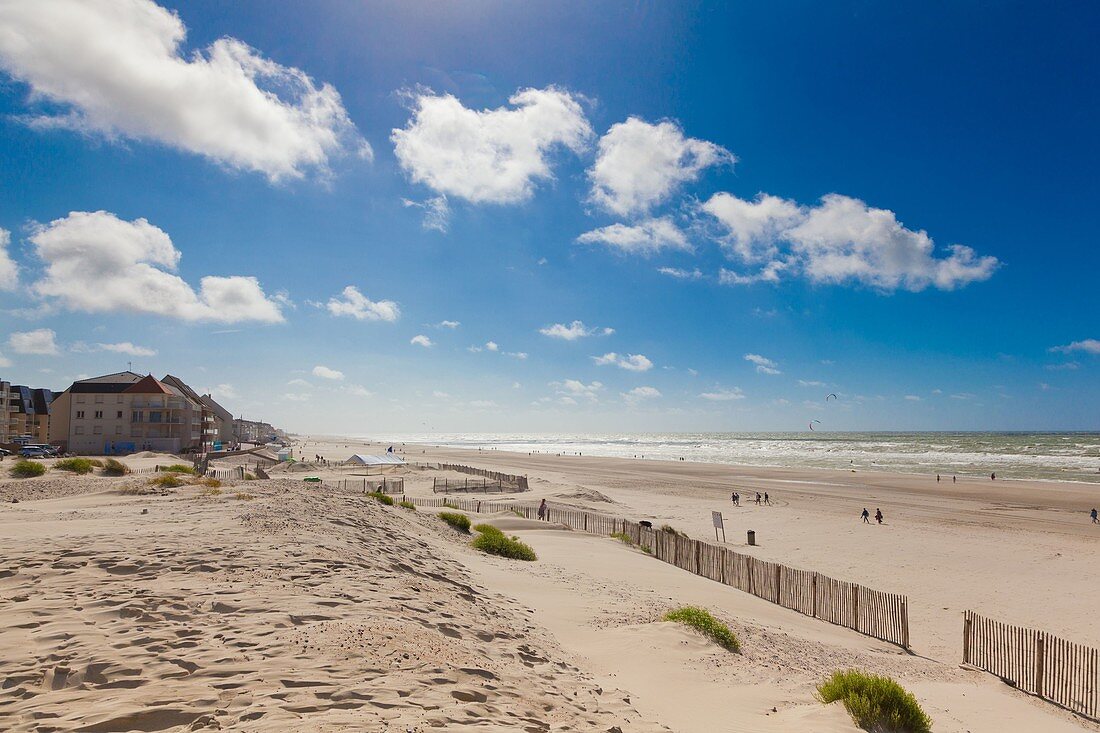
(831,395)
(812,423)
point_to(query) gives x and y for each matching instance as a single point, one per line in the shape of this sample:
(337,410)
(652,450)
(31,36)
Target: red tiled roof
(147,385)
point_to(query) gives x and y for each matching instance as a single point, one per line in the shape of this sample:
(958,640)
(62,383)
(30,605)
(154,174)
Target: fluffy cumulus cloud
(116,67)
(122,347)
(640,394)
(493,155)
(573,331)
(353,303)
(763,364)
(723,395)
(841,240)
(40,342)
(573,389)
(9,271)
(1088,346)
(98,263)
(421,340)
(639,165)
(645,238)
(681,274)
(325,372)
(630,362)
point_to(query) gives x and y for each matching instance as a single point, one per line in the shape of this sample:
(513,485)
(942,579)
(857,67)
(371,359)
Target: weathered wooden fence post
(1040,652)
(855,607)
(813,592)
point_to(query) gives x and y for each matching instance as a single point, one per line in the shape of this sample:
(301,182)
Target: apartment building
(223,421)
(24,411)
(126,412)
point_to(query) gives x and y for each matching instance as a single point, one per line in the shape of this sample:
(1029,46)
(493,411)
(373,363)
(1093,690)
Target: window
(154,417)
(137,416)
(99,414)
(80,398)
(119,399)
(119,415)
(98,398)
(118,428)
(97,430)
(78,430)
(80,414)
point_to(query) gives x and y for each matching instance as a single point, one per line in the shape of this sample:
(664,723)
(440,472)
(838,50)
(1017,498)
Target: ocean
(1044,456)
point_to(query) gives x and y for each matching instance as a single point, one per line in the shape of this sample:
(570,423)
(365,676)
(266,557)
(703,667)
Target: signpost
(716,517)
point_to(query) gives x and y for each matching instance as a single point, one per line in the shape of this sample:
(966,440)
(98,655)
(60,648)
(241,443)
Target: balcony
(159,404)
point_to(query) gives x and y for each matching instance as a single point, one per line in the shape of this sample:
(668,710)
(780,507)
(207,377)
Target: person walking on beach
(866,516)
(733,497)
(736,499)
(766,499)
(543,511)
(952,479)
(757,498)
(937,478)
(878,515)
(992,477)
(1094,519)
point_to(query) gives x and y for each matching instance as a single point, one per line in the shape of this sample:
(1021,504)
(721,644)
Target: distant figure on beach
(543,510)
(766,499)
(992,477)
(878,515)
(866,516)
(937,478)
(736,499)
(733,497)
(952,479)
(758,498)
(1094,519)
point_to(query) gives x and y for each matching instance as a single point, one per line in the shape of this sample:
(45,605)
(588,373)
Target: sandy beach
(275,605)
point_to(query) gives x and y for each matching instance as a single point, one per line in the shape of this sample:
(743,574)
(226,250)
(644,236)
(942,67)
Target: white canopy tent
(389,459)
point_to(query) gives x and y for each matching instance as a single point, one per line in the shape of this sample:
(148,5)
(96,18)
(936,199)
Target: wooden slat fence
(384,484)
(518,482)
(881,615)
(1057,670)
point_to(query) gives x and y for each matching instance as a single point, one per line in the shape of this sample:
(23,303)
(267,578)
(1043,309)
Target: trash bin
(752,537)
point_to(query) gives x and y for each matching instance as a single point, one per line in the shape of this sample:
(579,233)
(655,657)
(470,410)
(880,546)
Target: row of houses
(24,411)
(126,412)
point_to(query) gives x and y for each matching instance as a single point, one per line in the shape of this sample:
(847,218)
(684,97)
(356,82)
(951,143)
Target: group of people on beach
(736,499)
(867,515)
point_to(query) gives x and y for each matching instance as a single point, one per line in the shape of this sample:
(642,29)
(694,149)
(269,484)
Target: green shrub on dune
(876,703)
(495,542)
(167,481)
(75,465)
(178,468)
(381,498)
(27,469)
(111,467)
(459,521)
(407,505)
(710,627)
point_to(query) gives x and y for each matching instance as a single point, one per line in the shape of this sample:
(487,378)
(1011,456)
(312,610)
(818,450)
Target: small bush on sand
(381,498)
(407,505)
(701,620)
(875,703)
(27,469)
(672,530)
(167,481)
(211,482)
(178,468)
(249,477)
(74,465)
(459,521)
(493,541)
(622,537)
(243,496)
(111,467)
(448,505)
(211,491)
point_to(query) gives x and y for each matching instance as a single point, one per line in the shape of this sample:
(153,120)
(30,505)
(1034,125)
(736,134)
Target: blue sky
(641,216)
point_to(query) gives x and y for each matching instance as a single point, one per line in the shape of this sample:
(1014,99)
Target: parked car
(23,439)
(5,452)
(34,451)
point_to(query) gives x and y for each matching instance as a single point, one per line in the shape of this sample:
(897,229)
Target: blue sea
(1045,456)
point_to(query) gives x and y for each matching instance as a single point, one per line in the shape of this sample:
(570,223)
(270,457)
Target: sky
(559,216)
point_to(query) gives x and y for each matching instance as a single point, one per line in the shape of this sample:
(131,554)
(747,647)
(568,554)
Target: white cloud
(1067,366)
(123,347)
(4,361)
(639,394)
(118,69)
(630,362)
(448,324)
(96,262)
(521,355)
(225,392)
(421,340)
(573,331)
(9,271)
(493,155)
(1089,346)
(645,238)
(838,241)
(437,212)
(353,303)
(912,398)
(810,383)
(491,346)
(573,388)
(724,395)
(681,274)
(299,383)
(763,364)
(440,395)
(482,404)
(639,165)
(326,373)
(357,390)
(40,341)
(296,397)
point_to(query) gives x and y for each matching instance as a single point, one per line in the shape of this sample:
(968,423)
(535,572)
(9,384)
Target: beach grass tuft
(27,469)
(672,530)
(876,703)
(459,521)
(211,482)
(178,468)
(381,498)
(167,481)
(76,465)
(211,491)
(702,621)
(494,542)
(407,505)
(244,496)
(622,537)
(111,467)
(249,477)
